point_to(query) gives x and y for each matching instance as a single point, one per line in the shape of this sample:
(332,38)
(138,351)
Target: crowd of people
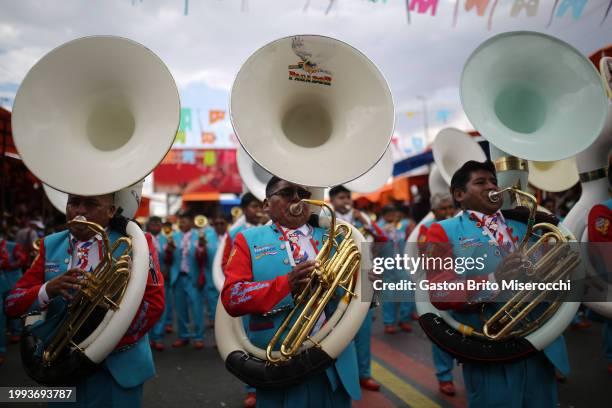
(182,258)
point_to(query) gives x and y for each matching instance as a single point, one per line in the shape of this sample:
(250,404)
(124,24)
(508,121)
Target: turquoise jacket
(130,366)
(467,240)
(269,259)
(8,278)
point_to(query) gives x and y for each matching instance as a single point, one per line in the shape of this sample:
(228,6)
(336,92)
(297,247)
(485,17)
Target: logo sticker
(263,250)
(309,68)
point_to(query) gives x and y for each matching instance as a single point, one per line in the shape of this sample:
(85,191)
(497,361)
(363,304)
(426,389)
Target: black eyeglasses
(289,192)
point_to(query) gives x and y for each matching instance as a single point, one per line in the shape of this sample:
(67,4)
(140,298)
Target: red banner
(186,171)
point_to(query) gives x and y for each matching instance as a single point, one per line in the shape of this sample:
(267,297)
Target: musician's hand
(361,217)
(511,267)
(171,246)
(66,283)
(300,274)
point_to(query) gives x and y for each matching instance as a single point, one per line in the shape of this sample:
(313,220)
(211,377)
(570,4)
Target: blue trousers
(527,383)
(187,300)
(158,330)
(100,390)
(211,295)
(390,312)
(443,363)
(362,344)
(314,392)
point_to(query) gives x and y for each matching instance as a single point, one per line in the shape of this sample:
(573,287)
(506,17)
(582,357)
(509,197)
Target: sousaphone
(531,109)
(94,116)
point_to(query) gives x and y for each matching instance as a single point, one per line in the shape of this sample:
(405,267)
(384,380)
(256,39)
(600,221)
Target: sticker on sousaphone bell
(312,55)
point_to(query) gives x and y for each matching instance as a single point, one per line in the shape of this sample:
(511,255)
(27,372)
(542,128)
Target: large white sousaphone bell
(300,103)
(97,112)
(95,116)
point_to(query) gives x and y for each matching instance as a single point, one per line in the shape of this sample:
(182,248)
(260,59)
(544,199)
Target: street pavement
(401,363)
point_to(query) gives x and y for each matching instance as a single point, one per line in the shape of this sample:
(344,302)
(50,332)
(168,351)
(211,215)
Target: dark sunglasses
(289,192)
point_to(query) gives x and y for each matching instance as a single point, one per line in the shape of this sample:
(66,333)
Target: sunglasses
(289,192)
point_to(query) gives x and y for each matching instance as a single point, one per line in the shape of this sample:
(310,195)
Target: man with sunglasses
(267,266)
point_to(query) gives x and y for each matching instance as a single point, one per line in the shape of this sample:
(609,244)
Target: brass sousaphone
(91,117)
(540,94)
(325,101)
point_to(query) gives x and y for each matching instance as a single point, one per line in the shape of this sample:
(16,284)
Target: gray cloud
(209,45)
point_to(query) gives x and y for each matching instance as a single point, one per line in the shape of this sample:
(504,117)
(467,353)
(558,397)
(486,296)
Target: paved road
(401,362)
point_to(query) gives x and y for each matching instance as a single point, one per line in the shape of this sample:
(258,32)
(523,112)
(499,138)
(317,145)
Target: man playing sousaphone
(60,271)
(482,230)
(269,264)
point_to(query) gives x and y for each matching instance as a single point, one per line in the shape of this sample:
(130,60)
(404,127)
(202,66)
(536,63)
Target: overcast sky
(205,48)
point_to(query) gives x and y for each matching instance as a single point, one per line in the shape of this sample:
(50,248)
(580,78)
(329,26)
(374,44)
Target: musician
(266,266)
(395,231)
(12,259)
(213,238)
(600,230)
(55,275)
(252,210)
(186,255)
(154,228)
(528,382)
(340,198)
(442,208)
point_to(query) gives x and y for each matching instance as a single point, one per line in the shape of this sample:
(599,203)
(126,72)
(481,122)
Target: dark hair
(387,209)
(462,176)
(247,199)
(334,191)
(185,214)
(271,184)
(154,218)
(226,217)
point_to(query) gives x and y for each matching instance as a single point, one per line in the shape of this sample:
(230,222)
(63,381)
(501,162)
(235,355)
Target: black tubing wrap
(259,374)
(473,349)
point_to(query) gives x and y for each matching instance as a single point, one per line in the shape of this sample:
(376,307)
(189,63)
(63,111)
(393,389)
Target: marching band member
(154,227)
(251,209)
(529,382)
(394,231)
(12,259)
(186,254)
(213,238)
(600,230)
(259,283)
(442,208)
(340,198)
(57,272)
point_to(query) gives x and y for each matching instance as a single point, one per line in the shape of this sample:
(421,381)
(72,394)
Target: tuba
(313,117)
(103,120)
(593,167)
(515,115)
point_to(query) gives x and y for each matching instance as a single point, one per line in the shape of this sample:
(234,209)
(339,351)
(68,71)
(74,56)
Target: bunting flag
(422,6)
(481,8)
(559,10)
(215,116)
(186,121)
(607,12)
(530,7)
(208,138)
(186,12)
(411,114)
(189,157)
(329,7)
(210,158)
(442,115)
